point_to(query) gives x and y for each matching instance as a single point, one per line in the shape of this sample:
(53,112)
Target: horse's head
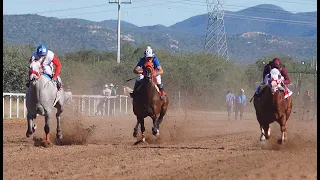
(35,70)
(148,71)
(275,80)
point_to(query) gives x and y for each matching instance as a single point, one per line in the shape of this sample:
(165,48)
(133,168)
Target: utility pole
(119,2)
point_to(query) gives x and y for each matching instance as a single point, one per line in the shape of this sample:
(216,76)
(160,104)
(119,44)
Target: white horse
(41,97)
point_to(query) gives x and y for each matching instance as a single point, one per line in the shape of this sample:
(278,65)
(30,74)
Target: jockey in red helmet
(275,63)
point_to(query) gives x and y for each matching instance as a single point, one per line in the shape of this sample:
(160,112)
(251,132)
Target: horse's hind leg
(58,117)
(47,122)
(31,127)
(160,118)
(155,128)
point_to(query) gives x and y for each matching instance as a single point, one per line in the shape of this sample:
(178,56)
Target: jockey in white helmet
(47,59)
(149,56)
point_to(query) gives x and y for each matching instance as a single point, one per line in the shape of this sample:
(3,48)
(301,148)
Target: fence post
(108,107)
(17,106)
(94,106)
(10,106)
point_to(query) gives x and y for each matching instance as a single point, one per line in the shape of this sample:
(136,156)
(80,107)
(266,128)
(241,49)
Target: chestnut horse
(147,102)
(272,106)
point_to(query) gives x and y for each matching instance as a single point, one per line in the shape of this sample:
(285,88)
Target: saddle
(58,83)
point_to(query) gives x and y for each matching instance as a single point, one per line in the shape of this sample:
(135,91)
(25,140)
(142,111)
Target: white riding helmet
(111,85)
(241,90)
(148,52)
(106,85)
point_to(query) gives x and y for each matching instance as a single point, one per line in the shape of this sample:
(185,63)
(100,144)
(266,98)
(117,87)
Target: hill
(65,35)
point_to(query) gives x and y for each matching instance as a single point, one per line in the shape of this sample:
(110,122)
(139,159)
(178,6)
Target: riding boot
(58,84)
(163,93)
(136,85)
(28,83)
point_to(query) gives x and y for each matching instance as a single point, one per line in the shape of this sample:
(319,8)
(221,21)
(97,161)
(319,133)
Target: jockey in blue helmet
(149,56)
(48,59)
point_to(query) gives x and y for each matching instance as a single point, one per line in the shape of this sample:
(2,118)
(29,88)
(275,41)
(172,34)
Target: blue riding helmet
(42,50)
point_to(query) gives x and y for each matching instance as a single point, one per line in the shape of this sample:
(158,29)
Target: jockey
(149,56)
(47,59)
(275,63)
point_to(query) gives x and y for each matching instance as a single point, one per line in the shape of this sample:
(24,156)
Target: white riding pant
(158,78)
(48,70)
(266,78)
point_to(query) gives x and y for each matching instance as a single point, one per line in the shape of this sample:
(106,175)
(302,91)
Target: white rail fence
(96,105)
(87,105)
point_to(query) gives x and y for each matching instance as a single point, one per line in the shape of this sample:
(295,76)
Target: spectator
(68,96)
(240,104)
(113,90)
(105,92)
(229,103)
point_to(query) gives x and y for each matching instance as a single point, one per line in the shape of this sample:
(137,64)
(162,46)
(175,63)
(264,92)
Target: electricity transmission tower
(119,2)
(216,42)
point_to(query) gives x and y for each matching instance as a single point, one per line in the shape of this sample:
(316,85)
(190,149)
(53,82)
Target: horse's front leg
(155,130)
(47,116)
(31,127)
(141,121)
(135,130)
(58,117)
(265,132)
(283,123)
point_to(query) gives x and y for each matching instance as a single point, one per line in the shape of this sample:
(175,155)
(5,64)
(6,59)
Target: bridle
(149,71)
(36,73)
(274,83)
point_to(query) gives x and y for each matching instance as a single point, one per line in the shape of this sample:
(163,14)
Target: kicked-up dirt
(193,145)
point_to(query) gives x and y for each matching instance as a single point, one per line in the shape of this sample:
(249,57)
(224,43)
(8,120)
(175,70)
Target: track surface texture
(192,145)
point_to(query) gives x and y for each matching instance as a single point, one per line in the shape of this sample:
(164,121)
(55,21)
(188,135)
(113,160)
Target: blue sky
(140,12)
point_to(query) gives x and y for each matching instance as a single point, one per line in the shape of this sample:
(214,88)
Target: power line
(275,20)
(157,4)
(175,2)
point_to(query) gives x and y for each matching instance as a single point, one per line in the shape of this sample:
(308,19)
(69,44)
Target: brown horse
(147,102)
(272,106)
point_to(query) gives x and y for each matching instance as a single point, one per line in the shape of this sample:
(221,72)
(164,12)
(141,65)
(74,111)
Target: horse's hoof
(135,133)
(155,132)
(280,141)
(59,136)
(143,138)
(28,134)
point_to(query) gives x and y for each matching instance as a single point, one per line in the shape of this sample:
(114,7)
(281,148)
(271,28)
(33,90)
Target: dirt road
(194,145)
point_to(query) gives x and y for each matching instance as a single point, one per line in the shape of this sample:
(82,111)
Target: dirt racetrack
(193,145)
